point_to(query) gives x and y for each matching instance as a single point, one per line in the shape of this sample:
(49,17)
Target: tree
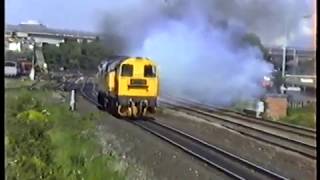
(95,50)
(70,53)
(14,56)
(73,55)
(52,55)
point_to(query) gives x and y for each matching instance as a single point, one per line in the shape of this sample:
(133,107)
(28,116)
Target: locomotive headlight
(266,78)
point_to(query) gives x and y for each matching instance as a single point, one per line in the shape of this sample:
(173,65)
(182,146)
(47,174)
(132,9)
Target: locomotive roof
(114,61)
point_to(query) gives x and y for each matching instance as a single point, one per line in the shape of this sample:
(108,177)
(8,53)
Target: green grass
(16,83)
(240,106)
(304,116)
(43,140)
(298,116)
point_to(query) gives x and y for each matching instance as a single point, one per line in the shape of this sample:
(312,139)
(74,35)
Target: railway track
(274,137)
(226,162)
(302,131)
(232,165)
(286,138)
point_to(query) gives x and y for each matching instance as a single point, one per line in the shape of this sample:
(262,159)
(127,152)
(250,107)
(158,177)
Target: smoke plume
(198,44)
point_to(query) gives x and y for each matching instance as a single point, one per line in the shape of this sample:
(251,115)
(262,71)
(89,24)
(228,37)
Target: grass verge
(43,140)
(304,116)
(17,83)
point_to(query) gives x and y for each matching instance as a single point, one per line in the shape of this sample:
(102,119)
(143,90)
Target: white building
(25,34)
(14,46)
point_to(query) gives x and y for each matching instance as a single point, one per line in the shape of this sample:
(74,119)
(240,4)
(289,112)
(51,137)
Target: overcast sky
(79,15)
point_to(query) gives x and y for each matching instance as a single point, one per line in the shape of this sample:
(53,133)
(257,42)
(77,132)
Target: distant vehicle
(267,82)
(11,69)
(25,67)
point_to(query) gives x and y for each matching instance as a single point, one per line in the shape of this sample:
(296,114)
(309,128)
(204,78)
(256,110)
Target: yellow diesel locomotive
(128,86)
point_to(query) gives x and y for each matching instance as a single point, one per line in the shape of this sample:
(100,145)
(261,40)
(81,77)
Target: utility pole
(33,72)
(295,59)
(284,48)
(315,26)
(284,55)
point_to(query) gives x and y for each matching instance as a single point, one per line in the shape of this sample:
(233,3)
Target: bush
(46,141)
(29,146)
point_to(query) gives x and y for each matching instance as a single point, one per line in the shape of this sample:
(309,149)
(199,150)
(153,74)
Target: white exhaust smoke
(202,64)
(198,44)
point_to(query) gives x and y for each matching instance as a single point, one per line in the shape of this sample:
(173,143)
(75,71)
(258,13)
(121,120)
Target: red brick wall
(276,107)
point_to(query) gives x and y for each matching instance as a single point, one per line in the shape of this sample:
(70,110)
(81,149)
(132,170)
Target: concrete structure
(299,61)
(24,35)
(300,73)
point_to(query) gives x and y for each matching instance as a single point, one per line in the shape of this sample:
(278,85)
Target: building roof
(42,29)
(115,61)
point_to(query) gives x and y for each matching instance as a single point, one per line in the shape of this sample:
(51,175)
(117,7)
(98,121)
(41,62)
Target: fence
(299,104)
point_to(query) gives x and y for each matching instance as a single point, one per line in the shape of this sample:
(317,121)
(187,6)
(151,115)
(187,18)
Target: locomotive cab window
(149,71)
(127,70)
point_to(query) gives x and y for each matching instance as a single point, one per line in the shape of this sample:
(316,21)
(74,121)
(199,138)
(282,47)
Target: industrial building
(24,35)
(299,75)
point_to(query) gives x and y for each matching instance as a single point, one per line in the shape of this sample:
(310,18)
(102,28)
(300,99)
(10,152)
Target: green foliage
(239,106)
(13,55)
(75,55)
(17,83)
(25,101)
(52,55)
(304,116)
(46,141)
(28,147)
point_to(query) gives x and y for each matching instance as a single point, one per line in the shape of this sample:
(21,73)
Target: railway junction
(187,139)
(202,142)
(191,140)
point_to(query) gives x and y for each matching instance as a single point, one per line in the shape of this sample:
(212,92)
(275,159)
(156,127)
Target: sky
(71,14)
(86,15)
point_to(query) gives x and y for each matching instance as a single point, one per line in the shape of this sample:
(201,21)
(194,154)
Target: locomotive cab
(131,86)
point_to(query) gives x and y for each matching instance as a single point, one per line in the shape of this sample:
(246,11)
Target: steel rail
(226,162)
(302,148)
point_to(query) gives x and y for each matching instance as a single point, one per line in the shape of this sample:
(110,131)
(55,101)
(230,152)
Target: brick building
(276,106)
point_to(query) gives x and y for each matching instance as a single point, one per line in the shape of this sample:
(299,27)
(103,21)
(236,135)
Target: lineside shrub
(44,140)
